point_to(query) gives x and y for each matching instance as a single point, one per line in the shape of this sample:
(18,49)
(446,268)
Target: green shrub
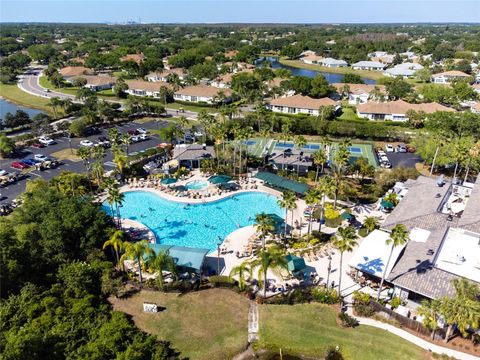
(221,281)
(348,320)
(333,354)
(361,297)
(364,310)
(395,302)
(363,232)
(325,296)
(334,223)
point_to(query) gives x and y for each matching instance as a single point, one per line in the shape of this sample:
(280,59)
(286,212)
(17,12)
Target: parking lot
(396,158)
(11,191)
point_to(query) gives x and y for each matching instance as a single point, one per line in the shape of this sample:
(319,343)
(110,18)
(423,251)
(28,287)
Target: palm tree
(183,123)
(398,237)
(345,240)
(341,159)
(98,153)
(54,103)
(241,271)
(326,187)
(271,259)
(160,262)
(300,142)
(116,241)
(430,312)
(264,224)
(370,223)
(312,198)
(114,136)
(126,140)
(119,158)
(319,159)
(136,252)
(285,136)
(287,202)
(115,197)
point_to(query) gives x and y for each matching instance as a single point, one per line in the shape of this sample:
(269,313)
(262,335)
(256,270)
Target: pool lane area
(200,226)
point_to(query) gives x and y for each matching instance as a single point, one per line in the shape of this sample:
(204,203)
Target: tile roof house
(419,272)
(311,59)
(368,65)
(299,104)
(231,54)
(164,75)
(224,81)
(70,71)
(359,93)
(396,110)
(95,82)
(145,88)
(201,93)
(448,76)
(138,58)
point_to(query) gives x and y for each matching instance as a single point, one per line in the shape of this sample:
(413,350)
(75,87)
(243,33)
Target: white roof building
(368,65)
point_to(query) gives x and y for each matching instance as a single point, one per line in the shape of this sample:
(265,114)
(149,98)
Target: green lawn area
(348,114)
(204,325)
(374,75)
(44,82)
(12,93)
(308,329)
(192,108)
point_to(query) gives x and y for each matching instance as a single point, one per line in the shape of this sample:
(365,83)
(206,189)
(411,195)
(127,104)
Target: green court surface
(257,146)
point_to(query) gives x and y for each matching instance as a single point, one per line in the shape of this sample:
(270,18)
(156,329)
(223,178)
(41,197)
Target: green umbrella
(347,216)
(168,181)
(219,179)
(295,263)
(387,204)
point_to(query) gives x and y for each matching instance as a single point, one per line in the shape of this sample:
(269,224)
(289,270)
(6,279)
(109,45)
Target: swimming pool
(196,185)
(195,225)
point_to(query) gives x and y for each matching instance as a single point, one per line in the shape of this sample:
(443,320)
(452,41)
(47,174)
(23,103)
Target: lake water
(6,106)
(331,77)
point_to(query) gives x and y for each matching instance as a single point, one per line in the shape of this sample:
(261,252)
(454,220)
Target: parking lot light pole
(70,144)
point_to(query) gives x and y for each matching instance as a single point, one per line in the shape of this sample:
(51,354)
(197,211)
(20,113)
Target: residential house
(360,93)
(224,81)
(299,104)
(70,71)
(164,75)
(307,52)
(396,110)
(201,94)
(311,59)
(368,65)
(138,58)
(332,63)
(405,70)
(192,155)
(145,88)
(448,76)
(231,54)
(95,82)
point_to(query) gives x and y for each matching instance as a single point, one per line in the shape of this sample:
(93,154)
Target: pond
(331,77)
(6,106)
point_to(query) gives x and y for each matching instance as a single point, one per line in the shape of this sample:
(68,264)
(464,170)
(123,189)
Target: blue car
(30,162)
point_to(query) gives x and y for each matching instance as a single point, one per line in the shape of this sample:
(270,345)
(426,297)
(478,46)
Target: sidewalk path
(416,340)
(253,322)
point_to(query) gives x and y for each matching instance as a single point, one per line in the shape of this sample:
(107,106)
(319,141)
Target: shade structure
(347,216)
(219,179)
(387,204)
(185,257)
(281,183)
(295,263)
(168,181)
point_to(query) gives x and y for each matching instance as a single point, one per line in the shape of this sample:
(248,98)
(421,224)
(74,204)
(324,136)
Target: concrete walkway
(416,340)
(253,322)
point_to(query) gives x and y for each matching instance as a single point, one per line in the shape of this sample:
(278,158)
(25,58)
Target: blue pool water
(196,185)
(195,225)
(355,150)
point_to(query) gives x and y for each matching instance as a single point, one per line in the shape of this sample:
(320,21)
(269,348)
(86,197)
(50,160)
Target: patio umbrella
(219,179)
(295,263)
(386,204)
(168,181)
(346,216)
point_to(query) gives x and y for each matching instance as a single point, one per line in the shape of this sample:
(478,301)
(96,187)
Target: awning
(219,179)
(295,263)
(186,257)
(282,183)
(372,255)
(347,216)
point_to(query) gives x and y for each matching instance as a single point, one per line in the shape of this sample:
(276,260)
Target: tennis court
(306,147)
(360,150)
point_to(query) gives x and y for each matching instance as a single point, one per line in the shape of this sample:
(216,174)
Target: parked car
(86,143)
(135,138)
(401,148)
(142,131)
(132,132)
(389,148)
(45,140)
(38,145)
(40,157)
(386,164)
(19,165)
(92,130)
(143,137)
(103,141)
(30,162)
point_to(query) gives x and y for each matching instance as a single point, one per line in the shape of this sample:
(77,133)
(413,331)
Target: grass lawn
(44,82)
(308,329)
(374,75)
(192,108)
(348,114)
(19,97)
(66,154)
(210,324)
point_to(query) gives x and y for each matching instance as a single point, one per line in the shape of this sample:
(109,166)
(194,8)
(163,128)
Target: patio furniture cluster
(252,246)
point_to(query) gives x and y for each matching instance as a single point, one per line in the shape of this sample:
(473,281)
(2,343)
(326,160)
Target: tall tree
(136,252)
(116,241)
(271,259)
(345,240)
(287,202)
(312,198)
(264,224)
(319,160)
(242,270)
(162,261)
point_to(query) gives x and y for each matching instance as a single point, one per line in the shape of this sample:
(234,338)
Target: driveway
(407,160)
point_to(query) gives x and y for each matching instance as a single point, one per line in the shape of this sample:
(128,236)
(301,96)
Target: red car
(38,145)
(19,165)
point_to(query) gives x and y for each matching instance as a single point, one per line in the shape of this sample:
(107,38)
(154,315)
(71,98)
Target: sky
(236,11)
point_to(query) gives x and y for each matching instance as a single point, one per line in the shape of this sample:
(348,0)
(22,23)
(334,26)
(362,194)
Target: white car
(40,157)
(135,138)
(401,148)
(45,140)
(384,158)
(143,137)
(142,131)
(389,148)
(86,143)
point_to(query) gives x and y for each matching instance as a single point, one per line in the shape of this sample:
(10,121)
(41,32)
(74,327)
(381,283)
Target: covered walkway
(280,183)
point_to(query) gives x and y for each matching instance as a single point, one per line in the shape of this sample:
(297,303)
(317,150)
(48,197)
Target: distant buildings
(448,76)
(311,58)
(202,94)
(361,93)
(405,70)
(299,104)
(164,75)
(70,71)
(368,65)
(137,58)
(332,63)
(145,88)
(396,110)
(95,82)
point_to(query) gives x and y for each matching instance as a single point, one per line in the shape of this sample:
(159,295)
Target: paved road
(63,143)
(30,84)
